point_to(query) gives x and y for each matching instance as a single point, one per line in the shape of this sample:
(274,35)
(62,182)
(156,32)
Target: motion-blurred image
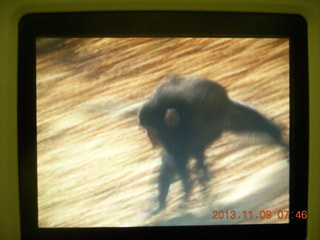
(162,131)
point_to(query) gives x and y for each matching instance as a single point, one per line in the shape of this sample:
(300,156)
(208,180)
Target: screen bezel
(163,24)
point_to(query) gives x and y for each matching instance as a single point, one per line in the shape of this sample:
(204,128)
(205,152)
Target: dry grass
(96,167)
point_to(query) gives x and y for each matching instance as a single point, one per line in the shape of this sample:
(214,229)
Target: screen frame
(160,24)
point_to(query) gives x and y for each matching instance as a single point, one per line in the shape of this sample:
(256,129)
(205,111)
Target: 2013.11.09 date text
(263,214)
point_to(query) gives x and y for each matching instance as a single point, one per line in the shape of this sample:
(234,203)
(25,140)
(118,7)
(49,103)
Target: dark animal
(186,115)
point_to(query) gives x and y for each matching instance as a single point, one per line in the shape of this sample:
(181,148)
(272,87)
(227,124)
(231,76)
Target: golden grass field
(96,166)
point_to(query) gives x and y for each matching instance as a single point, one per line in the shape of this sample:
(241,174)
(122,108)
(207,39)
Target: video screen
(98,164)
